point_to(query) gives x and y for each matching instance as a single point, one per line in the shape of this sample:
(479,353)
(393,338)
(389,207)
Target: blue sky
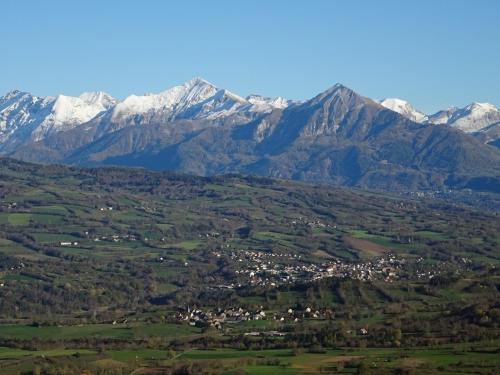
(433,53)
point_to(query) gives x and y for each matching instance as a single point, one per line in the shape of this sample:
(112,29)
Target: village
(224,319)
(269,269)
(253,268)
(199,317)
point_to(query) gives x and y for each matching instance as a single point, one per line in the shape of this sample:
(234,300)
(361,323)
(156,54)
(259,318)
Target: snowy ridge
(68,112)
(475,117)
(197,98)
(24,116)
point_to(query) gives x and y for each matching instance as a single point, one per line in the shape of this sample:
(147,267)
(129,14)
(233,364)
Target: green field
(96,330)
(54,237)
(187,245)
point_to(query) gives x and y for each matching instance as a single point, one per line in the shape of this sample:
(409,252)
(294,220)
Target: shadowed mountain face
(336,137)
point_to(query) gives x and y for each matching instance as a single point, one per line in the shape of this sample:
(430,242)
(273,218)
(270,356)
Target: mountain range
(335,137)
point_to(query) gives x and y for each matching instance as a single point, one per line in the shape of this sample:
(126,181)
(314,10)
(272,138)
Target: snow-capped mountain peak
(404,108)
(474,117)
(481,107)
